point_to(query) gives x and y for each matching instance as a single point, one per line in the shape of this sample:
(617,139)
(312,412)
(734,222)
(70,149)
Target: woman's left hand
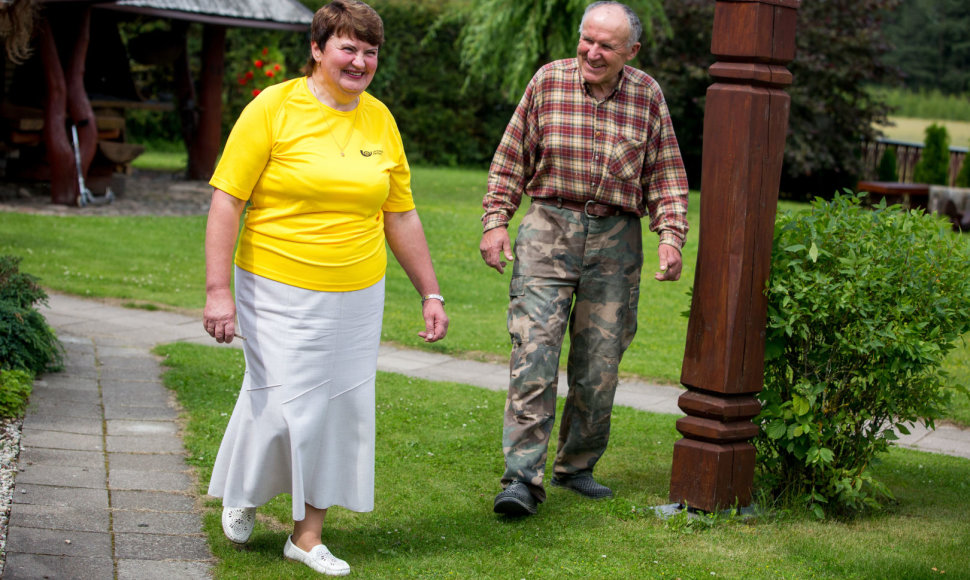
(435,321)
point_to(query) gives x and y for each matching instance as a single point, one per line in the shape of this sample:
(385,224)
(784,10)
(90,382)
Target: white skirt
(304,420)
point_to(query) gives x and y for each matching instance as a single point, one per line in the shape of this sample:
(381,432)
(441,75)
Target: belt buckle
(586,209)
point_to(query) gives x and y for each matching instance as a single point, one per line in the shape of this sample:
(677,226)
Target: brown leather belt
(591,208)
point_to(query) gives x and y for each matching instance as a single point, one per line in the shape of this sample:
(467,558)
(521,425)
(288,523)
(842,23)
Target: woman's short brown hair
(344,18)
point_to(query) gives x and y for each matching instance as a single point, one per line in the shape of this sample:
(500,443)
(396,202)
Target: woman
(322,166)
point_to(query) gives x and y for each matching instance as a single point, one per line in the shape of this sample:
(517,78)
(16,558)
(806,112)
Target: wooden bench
(909,195)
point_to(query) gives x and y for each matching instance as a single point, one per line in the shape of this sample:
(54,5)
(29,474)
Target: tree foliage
(933,166)
(931,41)
(505,41)
(863,307)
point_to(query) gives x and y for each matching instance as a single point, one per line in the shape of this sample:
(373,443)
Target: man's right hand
(496,244)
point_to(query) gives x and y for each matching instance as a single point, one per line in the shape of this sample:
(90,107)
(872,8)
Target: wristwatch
(427,297)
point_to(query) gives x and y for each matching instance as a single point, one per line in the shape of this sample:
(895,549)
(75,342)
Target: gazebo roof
(273,14)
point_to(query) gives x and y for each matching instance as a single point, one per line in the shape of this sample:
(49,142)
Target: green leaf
(776,429)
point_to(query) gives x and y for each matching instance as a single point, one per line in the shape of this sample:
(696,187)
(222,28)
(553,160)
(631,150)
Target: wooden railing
(907,155)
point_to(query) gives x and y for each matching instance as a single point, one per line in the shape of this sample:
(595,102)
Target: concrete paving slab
(136,393)
(162,570)
(64,408)
(61,440)
(57,475)
(115,411)
(58,496)
(122,427)
(148,480)
(143,522)
(148,462)
(62,383)
(154,444)
(153,500)
(61,518)
(59,542)
(129,546)
(78,425)
(61,396)
(34,566)
(63,457)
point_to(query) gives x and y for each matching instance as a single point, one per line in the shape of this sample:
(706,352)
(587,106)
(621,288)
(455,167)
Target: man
(592,144)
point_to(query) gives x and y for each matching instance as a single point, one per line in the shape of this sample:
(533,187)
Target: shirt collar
(589,93)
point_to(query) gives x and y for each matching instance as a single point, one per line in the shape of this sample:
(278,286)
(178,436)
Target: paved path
(103,490)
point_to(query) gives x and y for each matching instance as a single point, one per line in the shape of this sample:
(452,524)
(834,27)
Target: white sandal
(238,523)
(318,558)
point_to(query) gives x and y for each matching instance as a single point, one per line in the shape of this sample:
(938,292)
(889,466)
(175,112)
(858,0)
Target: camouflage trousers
(581,273)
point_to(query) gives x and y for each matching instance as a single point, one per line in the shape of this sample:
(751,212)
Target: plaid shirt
(562,142)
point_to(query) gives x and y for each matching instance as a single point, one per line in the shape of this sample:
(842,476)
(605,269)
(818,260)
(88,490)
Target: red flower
(265,51)
(242,80)
(258,64)
(249,74)
(256,92)
(276,67)
(269,73)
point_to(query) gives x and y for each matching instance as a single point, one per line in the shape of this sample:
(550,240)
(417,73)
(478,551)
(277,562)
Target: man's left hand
(671,263)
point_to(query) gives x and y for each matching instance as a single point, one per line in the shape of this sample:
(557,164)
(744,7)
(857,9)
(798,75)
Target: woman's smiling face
(345,68)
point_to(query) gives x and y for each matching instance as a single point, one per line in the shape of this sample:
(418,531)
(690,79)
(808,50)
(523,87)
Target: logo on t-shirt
(374,152)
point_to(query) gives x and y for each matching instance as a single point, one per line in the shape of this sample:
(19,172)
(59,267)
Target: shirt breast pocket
(626,158)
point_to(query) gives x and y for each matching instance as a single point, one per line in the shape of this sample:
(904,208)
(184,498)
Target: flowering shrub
(263,70)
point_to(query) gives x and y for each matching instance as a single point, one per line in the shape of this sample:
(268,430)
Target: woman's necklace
(350,133)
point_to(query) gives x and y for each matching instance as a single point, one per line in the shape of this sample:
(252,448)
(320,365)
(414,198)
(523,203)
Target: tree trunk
(60,154)
(78,104)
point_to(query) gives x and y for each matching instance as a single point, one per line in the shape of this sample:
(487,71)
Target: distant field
(913,130)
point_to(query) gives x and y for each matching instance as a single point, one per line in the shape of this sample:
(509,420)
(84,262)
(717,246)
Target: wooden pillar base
(712,476)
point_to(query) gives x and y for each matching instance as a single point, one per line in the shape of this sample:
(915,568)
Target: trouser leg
(548,252)
(530,408)
(602,326)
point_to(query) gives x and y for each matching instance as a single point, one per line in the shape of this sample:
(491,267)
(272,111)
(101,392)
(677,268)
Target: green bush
(886,170)
(863,306)
(15,388)
(26,341)
(933,166)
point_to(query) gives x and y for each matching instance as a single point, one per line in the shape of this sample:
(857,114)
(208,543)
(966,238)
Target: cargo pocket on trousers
(516,292)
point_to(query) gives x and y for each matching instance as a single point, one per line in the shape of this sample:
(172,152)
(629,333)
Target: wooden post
(204,148)
(745,121)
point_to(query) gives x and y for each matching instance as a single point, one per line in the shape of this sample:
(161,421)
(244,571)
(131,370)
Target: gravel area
(141,193)
(9,450)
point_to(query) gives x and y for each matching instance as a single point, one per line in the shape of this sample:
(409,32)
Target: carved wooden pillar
(745,122)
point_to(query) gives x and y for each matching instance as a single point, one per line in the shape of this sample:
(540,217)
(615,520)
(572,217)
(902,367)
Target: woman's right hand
(219,316)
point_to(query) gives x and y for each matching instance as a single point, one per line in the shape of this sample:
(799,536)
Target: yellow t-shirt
(315,218)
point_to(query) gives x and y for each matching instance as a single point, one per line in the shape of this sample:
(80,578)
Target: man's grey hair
(636,28)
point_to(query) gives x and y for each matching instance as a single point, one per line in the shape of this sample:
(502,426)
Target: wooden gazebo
(77,79)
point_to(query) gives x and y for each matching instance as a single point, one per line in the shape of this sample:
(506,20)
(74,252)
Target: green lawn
(159,261)
(438,464)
